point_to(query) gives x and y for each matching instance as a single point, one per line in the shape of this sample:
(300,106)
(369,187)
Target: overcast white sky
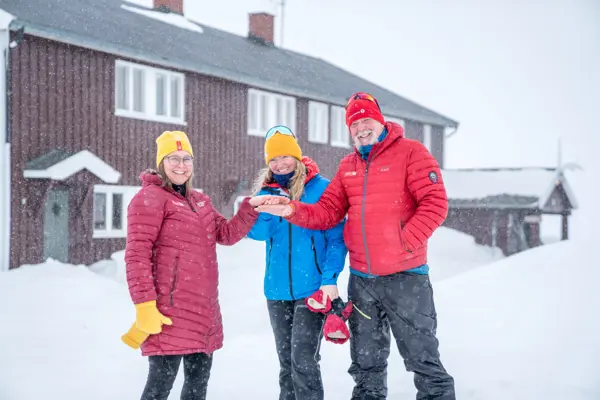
(517,76)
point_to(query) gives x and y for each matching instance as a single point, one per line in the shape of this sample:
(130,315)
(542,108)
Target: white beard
(374,139)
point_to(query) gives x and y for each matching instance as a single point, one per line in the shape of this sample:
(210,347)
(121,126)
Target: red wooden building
(88,85)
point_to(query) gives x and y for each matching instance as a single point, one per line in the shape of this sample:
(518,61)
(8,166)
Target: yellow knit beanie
(280,144)
(171,141)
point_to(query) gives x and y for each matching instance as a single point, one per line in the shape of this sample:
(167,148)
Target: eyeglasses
(284,130)
(362,96)
(175,161)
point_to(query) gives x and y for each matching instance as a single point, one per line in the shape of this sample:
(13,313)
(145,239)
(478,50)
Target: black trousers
(298,333)
(402,303)
(163,371)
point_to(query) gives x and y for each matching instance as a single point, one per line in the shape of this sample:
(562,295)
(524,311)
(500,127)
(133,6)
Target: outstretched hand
(267,199)
(276,205)
(280,210)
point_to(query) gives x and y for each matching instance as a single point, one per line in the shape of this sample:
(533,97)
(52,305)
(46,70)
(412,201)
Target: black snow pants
(402,302)
(163,371)
(298,333)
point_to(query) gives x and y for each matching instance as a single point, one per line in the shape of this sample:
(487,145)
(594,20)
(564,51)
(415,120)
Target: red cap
(363,105)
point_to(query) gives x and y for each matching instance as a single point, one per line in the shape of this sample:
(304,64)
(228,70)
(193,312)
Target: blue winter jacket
(299,260)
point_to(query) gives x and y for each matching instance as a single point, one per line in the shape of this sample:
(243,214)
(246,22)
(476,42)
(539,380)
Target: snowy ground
(524,327)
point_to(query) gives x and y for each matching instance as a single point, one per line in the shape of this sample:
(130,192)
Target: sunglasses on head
(284,130)
(362,96)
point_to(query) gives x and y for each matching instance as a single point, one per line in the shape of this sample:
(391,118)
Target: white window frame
(340,135)
(150,89)
(318,122)
(108,232)
(258,100)
(399,121)
(427,136)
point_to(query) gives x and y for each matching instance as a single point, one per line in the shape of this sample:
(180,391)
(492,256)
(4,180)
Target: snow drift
(520,328)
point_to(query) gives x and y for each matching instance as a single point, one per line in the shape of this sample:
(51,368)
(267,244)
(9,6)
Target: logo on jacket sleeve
(433,177)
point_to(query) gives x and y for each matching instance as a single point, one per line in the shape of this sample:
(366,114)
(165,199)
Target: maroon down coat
(171,257)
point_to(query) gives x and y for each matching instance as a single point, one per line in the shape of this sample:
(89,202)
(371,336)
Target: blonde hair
(166,182)
(296,186)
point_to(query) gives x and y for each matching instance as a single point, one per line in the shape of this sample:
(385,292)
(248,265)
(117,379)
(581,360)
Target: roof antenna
(282,20)
(281,4)
(559,156)
(561,168)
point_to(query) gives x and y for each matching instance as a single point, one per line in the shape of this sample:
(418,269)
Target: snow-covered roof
(524,187)
(130,30)
(168,18)
(5,19)
(60,164)
(142,3)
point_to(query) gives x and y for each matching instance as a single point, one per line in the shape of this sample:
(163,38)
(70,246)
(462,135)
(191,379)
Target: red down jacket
(171,257)
(394,200)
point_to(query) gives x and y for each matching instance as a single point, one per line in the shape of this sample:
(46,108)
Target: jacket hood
(150,177)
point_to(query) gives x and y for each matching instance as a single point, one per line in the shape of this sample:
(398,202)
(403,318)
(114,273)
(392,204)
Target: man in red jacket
(393,193)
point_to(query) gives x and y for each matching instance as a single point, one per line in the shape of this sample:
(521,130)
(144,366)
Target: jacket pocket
(174,280)
(314,250)
(404,246)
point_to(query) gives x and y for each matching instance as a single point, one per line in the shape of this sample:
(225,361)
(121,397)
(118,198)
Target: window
(266,110)
(396,120)
(139,104)
(148,93)
(117,211)
(340,135)
(161,94)
(110,210)
(99,210)
(318,122)
(427,136)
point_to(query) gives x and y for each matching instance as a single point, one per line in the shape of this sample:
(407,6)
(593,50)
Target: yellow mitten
(134,337)
(148,319)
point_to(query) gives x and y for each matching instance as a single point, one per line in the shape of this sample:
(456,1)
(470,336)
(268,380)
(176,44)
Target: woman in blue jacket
(299,262)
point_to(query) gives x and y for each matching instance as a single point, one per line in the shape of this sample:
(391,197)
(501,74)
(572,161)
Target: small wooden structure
(503,207)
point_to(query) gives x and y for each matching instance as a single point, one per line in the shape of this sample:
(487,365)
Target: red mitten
(318,302)
(347,311)
(335,329)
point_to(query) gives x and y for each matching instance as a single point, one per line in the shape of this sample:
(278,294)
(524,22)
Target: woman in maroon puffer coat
(172,274)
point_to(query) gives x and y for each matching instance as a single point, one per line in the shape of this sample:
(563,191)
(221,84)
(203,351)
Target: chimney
(262,28)
(169,6)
